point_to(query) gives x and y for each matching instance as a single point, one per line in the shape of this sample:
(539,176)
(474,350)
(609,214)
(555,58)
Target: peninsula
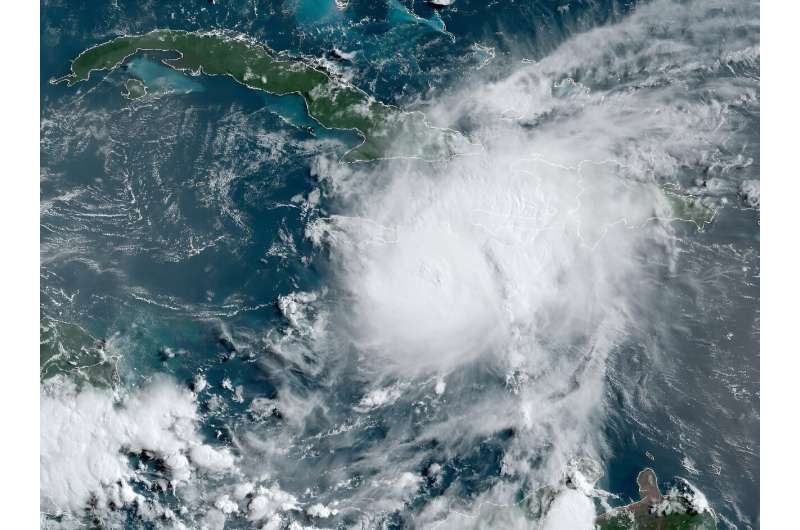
(656,511)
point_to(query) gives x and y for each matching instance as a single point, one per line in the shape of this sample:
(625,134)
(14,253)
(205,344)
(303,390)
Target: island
(386,131)
(134,89)
(681,508)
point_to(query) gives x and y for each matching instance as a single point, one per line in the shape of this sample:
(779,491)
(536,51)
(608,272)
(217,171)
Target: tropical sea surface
(239,330)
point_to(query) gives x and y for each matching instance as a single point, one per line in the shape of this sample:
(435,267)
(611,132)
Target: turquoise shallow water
(160,78)
(313,12)
(178,230)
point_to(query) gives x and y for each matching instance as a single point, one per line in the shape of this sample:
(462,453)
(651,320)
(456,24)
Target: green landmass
(134,88)
(690,209)
(66,347)
(643,515)
(675,521)
(387,131)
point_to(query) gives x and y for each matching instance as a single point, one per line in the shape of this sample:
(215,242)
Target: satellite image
(399,264)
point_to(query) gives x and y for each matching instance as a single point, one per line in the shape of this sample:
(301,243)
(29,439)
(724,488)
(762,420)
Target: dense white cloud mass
(571,510)
(87,435)
(492,253)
